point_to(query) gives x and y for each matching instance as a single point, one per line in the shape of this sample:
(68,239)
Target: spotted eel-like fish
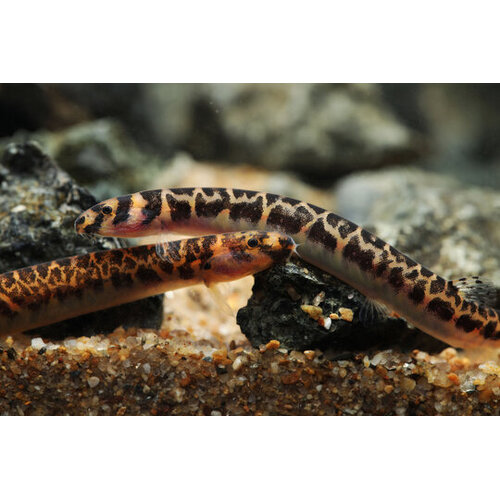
(46,293)
(447,310)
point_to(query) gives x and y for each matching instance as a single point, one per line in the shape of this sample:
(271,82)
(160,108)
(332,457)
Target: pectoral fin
(219,298)
(372,311)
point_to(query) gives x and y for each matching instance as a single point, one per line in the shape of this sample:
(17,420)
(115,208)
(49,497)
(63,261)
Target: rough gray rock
(38,205)
(447,226)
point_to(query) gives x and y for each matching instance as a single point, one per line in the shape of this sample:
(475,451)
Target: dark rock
(274,312)
(39,203)
(124,102)
(21,106)
(25,159)
(105,99)
(99,155)
(31,107)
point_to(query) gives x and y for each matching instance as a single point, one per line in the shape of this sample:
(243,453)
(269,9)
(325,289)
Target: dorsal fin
(477,289)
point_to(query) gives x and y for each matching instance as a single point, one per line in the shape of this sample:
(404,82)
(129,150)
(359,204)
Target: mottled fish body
(53,291)
(338,246)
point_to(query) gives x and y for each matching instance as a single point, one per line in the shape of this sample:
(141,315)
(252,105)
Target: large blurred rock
(39,203)
(319,130)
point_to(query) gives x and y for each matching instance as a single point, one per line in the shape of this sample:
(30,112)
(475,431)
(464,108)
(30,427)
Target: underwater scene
(249,249)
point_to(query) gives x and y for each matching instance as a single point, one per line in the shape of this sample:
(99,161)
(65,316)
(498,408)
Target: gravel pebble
(176,378)
(93,381)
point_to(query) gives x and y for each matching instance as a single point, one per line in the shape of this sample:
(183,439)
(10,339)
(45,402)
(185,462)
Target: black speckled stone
(272,313)
(39,203)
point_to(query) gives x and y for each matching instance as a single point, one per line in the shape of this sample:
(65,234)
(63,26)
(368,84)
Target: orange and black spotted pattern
(50,292)
(336,245)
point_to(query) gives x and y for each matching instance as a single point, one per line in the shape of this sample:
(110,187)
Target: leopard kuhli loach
(458,312)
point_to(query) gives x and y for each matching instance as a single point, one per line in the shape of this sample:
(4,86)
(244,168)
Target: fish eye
(80,220)
(253,242)
(106,210)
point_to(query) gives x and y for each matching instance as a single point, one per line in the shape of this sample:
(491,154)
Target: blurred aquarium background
(418,164)
(116,138)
